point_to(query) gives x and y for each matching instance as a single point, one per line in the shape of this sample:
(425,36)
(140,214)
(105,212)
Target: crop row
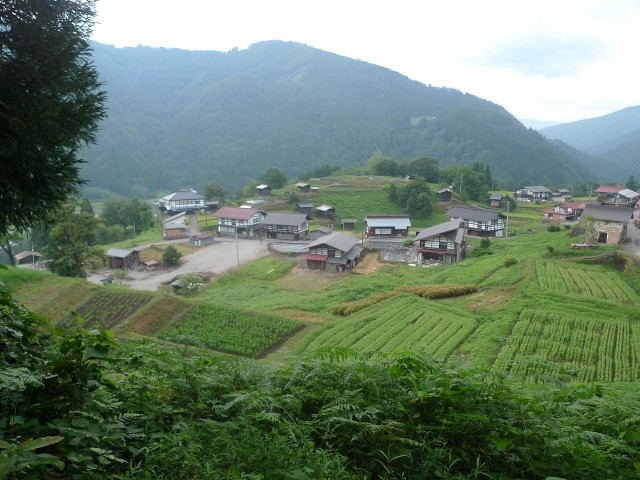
(585,349)
(401,323)
(583,281)
(107,309)
(229,330)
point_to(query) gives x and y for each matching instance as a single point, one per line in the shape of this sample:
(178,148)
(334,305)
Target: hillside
(183,119)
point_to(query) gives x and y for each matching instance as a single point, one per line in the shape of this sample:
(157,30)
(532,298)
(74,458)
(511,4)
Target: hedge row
(345,309)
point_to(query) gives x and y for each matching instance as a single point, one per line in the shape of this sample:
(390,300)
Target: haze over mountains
(181,119)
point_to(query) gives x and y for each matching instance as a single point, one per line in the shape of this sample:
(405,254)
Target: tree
(171,256)
(274,177)
(212,190)
(50,105)
(632,184)
(426,168)
(70,240)
(380,165)
(127,212)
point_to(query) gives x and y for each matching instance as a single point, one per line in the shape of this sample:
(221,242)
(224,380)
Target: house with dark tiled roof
(286,226)
(336,252)
(496,199)
(443,243)
(532,194)
(479,222)
(184,201)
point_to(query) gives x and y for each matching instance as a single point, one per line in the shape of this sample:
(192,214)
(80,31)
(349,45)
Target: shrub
(485,243)
(510,261)
(171,256)
(554,227)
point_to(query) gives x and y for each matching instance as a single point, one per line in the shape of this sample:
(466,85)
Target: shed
(175,227)
(27,257)
(123,259)
(319,232)
(263,190)
(349,223)
(444,195)
(303,187)
(326,211)
(496,199)
(201,239)
(304,207)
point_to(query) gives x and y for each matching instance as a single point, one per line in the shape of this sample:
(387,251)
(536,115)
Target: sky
(548,60)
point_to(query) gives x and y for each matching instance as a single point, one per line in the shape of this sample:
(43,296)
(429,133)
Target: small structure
(479,221)
(243,221)
(150,264)
(496,199)
(286,226)
(201,239)
(611,221)
(337,252)
(387,225)
(305,207)
(319,232)
(27,257)
(441,243)
(325,211)
(444,195)
(315,190)
(123,259)
(175,227)
(184,201)
(532,194)
(263,190)
(349,223)
(561,195)
(303,188)
(614,195)
(565,212)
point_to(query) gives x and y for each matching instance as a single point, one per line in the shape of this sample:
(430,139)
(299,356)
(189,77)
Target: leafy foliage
(171,256)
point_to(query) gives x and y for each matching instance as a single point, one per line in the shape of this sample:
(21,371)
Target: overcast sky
(549,60)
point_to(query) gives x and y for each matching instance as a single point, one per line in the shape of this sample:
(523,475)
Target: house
(27,257)
(315,190)
(496,199)
(175,227)
(611,221)
(303,188)
(325,211)
(561,195)
(565,212)
(183,201)
(532,194)
(479,221)
(263,190)
(123,259)
(241,221)
(441,243)
(318,232)
(286,226)
(304,207)
(387,225)
(444,195)
(613,195)
(202,239)
(337,252)
(349,223)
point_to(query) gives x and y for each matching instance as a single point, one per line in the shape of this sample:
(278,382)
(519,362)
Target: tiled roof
(477,214)
(284,218)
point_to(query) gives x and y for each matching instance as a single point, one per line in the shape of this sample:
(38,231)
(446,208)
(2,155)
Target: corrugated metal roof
(119,252)
(477,214)
(400,222)
(608,189)
(439,229)
(538,189)
(341,241)
(611,213)
(262,187)
(284,218)
(324,208)
(236,213)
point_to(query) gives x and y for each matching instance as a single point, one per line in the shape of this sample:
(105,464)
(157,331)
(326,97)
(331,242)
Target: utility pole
(237,246)
(460,192)
(507,223)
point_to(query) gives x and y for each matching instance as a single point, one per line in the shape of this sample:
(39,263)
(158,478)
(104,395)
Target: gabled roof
(302,185)
(305,205)
(468,213)
(284,218)
(119,252)
(338,240)
(395,221)
(537,189)
(625,192)
(442,190)
(25,254)
(574,205)
(322,229)
(440,229)
(608,189)
(349,220)
(325,208)
(612,213)
(184,195)
(262,187)
(496,196)
(237,213)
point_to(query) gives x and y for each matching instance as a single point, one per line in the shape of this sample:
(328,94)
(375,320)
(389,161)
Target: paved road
(633,232)
(223,255)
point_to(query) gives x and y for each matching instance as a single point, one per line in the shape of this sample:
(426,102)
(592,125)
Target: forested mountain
(183,119)
(612,142)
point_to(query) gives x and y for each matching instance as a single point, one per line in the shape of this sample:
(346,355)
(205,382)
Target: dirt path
(223,255)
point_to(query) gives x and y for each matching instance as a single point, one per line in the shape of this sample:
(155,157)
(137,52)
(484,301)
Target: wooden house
(444,195)
(184,201)
(387,225)
(611,221)
(123,259)
(337,252)
(175,227)
(479,222)
(202,239)
(286,226)
(443,243)
(27,257)
(319,232)
(243,221)
(613,195)
(303,188)
(263,190)
(326,211)
(496,199)
(565,212)
(304,207)
(349,223)
(532,194)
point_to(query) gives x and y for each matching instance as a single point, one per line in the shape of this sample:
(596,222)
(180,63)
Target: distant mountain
(612,142)
(537,124)
(184,119)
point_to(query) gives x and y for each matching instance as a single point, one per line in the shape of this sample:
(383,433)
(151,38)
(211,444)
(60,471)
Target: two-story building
(565,212)
(532,194)
(387,225)
(610,221)
(336,252)
(286,226)
(441,243)
(479,222)
(244,221)
(615,195)
(184,201)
